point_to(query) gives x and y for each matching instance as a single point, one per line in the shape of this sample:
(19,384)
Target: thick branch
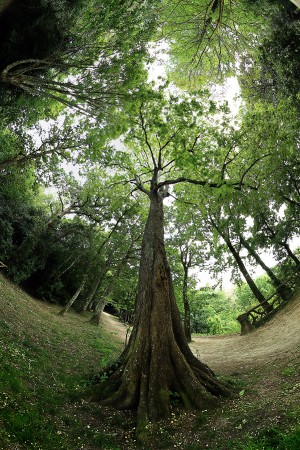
(237,185)
(146,137)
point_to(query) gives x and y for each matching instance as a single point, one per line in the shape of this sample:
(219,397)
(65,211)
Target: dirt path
(113,325)
(275,342)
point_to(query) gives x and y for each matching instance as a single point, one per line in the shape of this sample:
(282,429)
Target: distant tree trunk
(95,319)
(273,236)
(296,2)
(74,297)
(291,254)
(91,293)
(256,292)
(60,271)
(284,291)
(249,280)
(157,360)
(95,286)
(90,266)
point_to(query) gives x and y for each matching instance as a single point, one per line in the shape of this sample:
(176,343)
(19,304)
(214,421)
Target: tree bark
(296,2)
(157,360)
(187,310)
(291,254)
(95,319)
(90,267)
(273,236)
(73,298)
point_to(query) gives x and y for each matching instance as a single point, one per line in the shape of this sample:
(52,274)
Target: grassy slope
(45,360)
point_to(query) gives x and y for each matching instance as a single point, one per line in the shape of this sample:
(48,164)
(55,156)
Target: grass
(274,438)
(47,361)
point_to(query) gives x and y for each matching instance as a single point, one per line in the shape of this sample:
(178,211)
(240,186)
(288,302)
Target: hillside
(275,343)
(46,362)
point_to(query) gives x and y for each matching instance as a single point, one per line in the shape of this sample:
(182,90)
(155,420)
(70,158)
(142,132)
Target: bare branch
(146,136)
(251,166)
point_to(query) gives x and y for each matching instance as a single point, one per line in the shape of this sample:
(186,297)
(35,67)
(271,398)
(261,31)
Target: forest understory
(47,363)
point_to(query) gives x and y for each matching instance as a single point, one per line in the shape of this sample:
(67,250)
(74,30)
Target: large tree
(169,137)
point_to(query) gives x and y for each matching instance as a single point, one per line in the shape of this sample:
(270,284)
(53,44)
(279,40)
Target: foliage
(207,37)
(245,298)
(213,312)
(97,59)
(275,438)
(36,29)
(272,74)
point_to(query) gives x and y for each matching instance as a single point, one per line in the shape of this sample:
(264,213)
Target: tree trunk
(256,292)
(283,290)
(157,360)
(296,2)
(187,310)
(90,267)
(291,254)
(90,297)
(60,271)
(73,299)
(94,287)
(95,319)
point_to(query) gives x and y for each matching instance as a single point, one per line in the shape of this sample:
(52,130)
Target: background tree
(207,37)
(101,47)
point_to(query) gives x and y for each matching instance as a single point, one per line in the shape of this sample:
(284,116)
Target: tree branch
(252,165)
(146,136)
(237,185)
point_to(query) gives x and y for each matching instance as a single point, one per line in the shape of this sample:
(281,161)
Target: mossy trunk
(96,317)
(157,360)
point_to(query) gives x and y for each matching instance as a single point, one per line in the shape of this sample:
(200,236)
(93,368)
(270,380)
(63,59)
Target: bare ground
(113,325)
(276,342)
(264,367)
